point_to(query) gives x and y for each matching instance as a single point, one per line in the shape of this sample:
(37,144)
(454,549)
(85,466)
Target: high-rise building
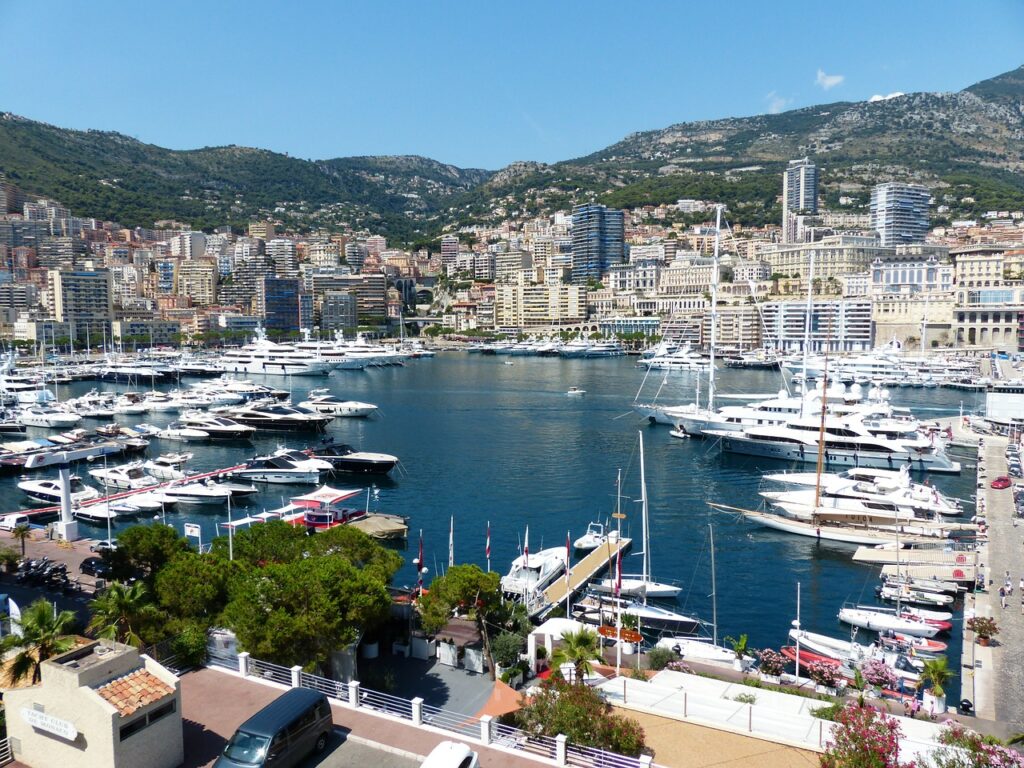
(282,303)
(899,212)
(597,241)
(197,279)
(799,194)
(449,250)
(355,255)
(282,251)
(339,310)
(83,299)
(264,230)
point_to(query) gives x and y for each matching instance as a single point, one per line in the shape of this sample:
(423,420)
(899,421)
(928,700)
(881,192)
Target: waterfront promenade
(994,676)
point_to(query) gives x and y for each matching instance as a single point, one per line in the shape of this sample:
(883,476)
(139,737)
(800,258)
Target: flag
(15,613)
(618,573)
(419,566)
(487,546)
(451,542)
(526,548)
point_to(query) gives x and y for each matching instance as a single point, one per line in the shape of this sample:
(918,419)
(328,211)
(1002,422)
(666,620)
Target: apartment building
(197,279)
(843,325)
(536,306)
(83,299)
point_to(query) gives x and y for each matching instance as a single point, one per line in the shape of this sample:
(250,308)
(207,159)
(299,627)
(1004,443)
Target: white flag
(15,613)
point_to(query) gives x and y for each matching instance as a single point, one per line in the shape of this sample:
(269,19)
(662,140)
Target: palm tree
(937,672)
(22,533)
(44,634)
(122,612)
(578,649)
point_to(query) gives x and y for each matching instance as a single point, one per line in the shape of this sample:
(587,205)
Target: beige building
(197,279)
(532,306)
(102,705)
(84,299)
(833,256)
(687,274)
(903,316)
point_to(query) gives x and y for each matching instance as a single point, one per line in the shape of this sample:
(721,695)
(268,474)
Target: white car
(451,754)
(103,545)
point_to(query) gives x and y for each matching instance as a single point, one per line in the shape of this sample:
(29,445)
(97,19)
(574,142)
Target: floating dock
(582,572)
(911,557)
(962,574)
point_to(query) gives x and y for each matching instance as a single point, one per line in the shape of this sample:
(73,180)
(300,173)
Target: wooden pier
(905,557)
(962,574)
(583,571)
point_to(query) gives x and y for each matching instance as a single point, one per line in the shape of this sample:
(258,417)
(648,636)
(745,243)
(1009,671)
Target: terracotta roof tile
(134,691)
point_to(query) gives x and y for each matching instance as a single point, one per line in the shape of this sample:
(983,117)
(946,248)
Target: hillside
(964,144)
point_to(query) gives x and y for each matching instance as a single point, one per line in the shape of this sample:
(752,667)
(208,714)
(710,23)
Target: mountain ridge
(971,140)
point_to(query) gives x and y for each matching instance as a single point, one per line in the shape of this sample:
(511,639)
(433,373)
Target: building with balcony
(536,306)
(843,325)
(597,241)
(83,299)
(899,213)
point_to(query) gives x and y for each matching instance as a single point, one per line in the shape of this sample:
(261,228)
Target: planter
(370,650)
(448,654)
(773,679)
(400,649)
(628,649)
(984,641)
(827,690)
(473,660)
(741,665)
(934,705)
(423,649)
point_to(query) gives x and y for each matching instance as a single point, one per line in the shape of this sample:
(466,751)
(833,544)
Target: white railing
(482,730)
(6,754)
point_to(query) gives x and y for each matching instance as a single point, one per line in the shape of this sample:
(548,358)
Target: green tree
(468,589)
(359,549)
(579,649)
(125,613)
(193,586)
(579,712)
(145,548)
(937,674)
(22,533)
(44,634)
(298,613)
(272,542)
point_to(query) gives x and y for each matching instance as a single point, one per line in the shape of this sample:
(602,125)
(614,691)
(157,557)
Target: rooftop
(133,691)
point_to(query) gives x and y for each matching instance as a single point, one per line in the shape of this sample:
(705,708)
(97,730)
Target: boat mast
(714,308)
(821,427)
(714,589)
(643,509)
(807,328)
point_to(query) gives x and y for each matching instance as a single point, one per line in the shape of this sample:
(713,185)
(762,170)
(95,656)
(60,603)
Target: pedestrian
(1022,602)
(915,707)
(1002,596)
(1022,585)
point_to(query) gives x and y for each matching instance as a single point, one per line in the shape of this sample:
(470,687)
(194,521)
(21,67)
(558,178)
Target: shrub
(983,626)
(745,698)
(771,662)
(880,674)
(829,712)
(506,648)
(659,658)
(823,674)
(863,738)
(190,646)
(680,666)
(964,748)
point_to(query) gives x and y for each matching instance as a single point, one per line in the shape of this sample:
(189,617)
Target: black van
(281,734)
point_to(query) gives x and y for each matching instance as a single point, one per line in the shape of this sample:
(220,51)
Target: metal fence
(463,725)
(332,688)
(273,672)
(6,755)
(588,757)
(219,658)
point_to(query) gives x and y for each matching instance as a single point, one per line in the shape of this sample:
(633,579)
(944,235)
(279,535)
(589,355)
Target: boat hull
(836,457)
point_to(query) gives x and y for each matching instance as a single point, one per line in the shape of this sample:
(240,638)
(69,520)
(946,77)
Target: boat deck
(912,557)
(961,574)
(583,571)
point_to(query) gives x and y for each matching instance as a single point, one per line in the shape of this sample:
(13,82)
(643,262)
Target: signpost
(195,531)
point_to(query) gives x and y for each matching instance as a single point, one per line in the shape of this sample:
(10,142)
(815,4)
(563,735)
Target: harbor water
(484,442)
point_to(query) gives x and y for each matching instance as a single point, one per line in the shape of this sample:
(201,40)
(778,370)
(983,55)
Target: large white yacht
(268,358)
(532,572)
(847,442)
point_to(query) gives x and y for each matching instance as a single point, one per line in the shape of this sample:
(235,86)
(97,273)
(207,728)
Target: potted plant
(771,665)
(983,627)
(631,622)
(825,676)
(879,675)
(742,651)
(937,673)
(505,650)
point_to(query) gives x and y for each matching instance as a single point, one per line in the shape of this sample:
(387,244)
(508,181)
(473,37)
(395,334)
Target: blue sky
(473,83)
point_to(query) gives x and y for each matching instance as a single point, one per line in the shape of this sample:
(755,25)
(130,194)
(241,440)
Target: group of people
(1006,591)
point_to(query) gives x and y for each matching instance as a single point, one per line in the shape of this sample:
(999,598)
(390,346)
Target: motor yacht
(170,466)
(574,348)
(276,469)
(178,430)
(604,349)
(280,418)
(128,477)
(199,493)
(47,417)
(160,402)
(344,458)
(322,401)
(532,572)
(268,358)
(49,491)
(217,427)
(303,460)
(131,372)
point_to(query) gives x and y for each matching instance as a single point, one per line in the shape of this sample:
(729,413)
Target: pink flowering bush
(771,662)
(679,666)
(863,737)
(823,674)
(880,674)
(963,748)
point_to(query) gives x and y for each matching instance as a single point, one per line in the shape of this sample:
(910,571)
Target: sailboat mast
(714,308)
(643,509)
(821,427)
(714,588)
(807,327)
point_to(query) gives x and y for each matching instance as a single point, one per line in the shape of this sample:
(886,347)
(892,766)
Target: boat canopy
(324,495)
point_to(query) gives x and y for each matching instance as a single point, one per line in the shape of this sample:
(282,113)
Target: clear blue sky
(476,83)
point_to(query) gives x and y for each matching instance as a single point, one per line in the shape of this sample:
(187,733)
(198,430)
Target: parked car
(103,545)
(95,566)
(1001,482)
(10,522)
(451,754)
(281,734)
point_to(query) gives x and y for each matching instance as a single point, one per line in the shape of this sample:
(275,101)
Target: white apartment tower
(799,194)
(899,213)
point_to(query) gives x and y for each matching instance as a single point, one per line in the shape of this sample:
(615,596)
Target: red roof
(133,691)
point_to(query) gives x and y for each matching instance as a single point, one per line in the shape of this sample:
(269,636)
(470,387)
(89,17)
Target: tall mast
(714,308)
(807,328)
(714,589)
(821,427)
(643,508)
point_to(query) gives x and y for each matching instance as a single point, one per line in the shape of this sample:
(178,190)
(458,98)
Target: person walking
(1002,596)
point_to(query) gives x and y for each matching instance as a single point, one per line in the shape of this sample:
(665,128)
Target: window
(136,725)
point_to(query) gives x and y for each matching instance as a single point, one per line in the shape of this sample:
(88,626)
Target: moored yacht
(128,477)
(47,417)
(280,418)
(322,401)
(170,466)
(276,469)
(49,491)
(532,572)
(344,458)
(217,427)
(267,358)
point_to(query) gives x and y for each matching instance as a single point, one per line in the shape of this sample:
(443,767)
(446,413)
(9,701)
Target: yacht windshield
(246,748)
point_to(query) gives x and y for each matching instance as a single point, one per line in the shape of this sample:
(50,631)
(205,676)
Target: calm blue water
(483,441)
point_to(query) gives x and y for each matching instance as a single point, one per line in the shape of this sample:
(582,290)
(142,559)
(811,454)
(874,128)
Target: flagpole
(568,557)
(618,613)
(451,541)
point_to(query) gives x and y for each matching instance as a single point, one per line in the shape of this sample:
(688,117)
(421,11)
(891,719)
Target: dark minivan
(282,733)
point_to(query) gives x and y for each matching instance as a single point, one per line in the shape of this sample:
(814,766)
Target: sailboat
(641,585)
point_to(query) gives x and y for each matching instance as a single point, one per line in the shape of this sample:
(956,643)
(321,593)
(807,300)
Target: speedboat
(280,418)
(239,491)
(217,427)
(303,460)
(128,477)
(130,404)
(161,402)
(344,458)
(49,491)
(199,493)
(322,401)
(276,469)
(150,501)
(885,621)
(176,430)
(47,417)
(594,537)
(169,466)
(105,512)
(532,572)
(576,391)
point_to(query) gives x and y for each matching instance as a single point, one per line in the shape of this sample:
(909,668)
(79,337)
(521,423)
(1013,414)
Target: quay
(993,676)
(585,570)
(914,557)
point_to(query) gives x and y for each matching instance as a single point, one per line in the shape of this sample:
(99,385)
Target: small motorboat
(239,491)
(594,537)
(904,594)
(679,434)
(150,501)
(199,494)
(576,391)
(878,620)
(276,469)
(169,466)
(49,491)
(105,512)
(128,477)
(322,401)
(178,431)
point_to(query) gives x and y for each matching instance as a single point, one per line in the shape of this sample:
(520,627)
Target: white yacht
(575,348)
(532,572)
(49,491)
(303,460)
(268,358)
(177,430)
(217,427)
(47,417)
(161,402)
(846,442)
(322,401)
(199,493)
(605,349)
(128,477)
(276,469)
(880,620)
(279,418)
(682,359)
(170,466)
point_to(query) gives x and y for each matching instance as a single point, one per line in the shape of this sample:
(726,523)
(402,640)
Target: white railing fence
(6,754)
